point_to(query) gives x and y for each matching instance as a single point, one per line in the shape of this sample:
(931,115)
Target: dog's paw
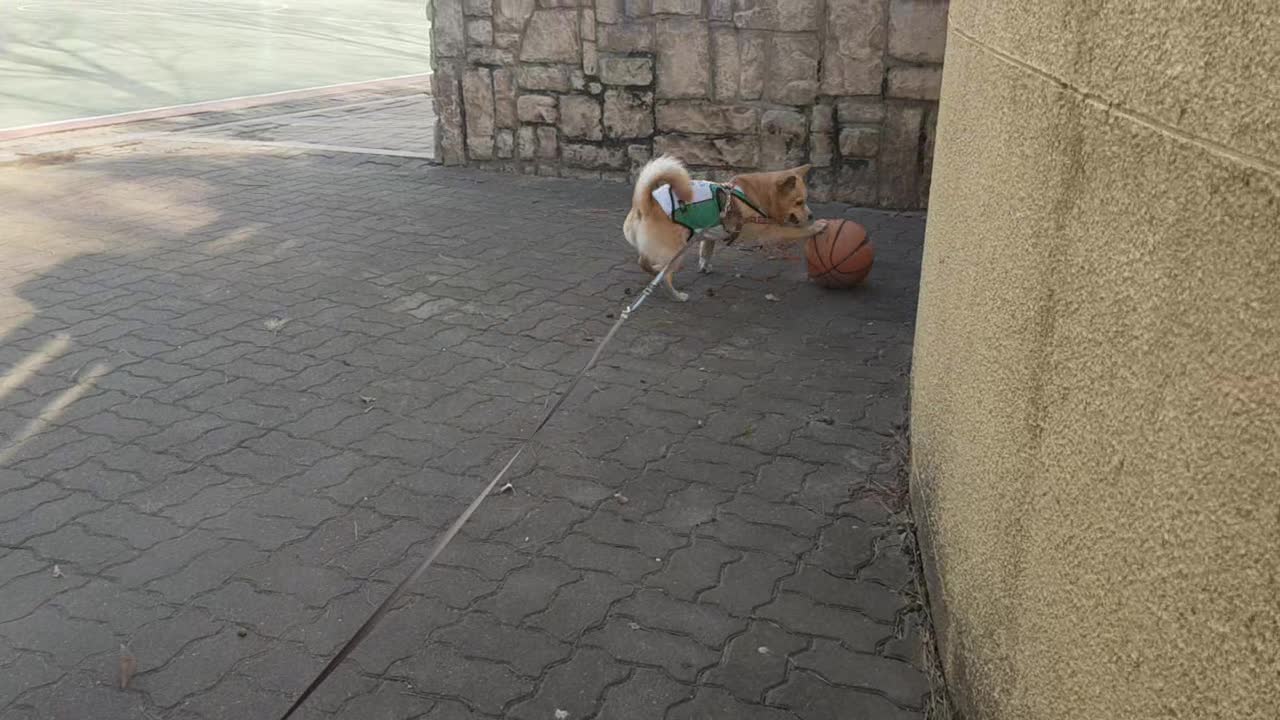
(682,296)
(704,267)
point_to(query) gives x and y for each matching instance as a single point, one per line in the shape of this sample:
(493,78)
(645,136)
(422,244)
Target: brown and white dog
(775,209)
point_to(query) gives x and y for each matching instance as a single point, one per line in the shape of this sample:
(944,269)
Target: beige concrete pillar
(1096,394)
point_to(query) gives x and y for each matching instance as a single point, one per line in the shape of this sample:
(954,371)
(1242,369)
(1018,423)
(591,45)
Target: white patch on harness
(702,190)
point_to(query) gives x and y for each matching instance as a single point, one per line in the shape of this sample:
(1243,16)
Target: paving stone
(825,489)
(638,498)
(607,527)
(529,590)
(208,571)
(307,511)
(66,640)
(200,665)
(871,599)
(542,523)
(99,481)
(255,466)
(388,702)
(909,644)
(780,479)
(716,703)
(74,548)
(846,547)
(869,672)
(17,503)
(365,482)
(216,442)
(628,564)
(46,518)
(681,657)
(492,561)
(431,514)
(67,456)
(800,614)
(80,689)
(694,569)
(581,605)
(747,582)
(707,624)
(743,535)
(32,586)
(646,694)
(110,605)
(216,498)
(575,687)
(795,519)
(268,614)
(809,697)
(24,672)
(233,696)
(300,452)
(228,476)
(528,652)
(891,567)
(410,627)
(756,660)
(441,670)
(285,573)
(328,472)
(360,542)
(453,710)
(158,642)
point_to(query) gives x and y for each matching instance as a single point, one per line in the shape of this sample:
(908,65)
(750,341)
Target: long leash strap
(448,536)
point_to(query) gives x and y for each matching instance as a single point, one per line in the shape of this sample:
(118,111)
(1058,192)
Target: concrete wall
(593,88)
(1096,398)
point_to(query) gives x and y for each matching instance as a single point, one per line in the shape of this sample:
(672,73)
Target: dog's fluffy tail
(663,170)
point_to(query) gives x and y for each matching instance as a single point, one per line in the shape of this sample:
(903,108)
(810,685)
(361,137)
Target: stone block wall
(594,88)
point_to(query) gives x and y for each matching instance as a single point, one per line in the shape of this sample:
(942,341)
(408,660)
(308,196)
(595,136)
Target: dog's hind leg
(672,269)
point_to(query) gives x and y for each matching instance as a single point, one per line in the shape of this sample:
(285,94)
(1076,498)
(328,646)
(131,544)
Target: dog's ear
(788,183)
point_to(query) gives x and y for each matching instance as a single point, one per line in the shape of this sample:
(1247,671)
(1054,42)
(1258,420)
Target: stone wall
(593,88)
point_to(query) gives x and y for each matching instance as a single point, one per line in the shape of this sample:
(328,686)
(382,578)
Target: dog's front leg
(705,250)
(707,247)
(760,234)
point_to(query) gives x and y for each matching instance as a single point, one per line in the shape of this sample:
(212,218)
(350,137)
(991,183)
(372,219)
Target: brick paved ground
(244,388)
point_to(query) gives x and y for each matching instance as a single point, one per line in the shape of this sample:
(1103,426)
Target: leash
(448,536)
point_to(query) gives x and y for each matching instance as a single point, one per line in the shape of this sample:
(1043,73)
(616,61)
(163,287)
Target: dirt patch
(49,158)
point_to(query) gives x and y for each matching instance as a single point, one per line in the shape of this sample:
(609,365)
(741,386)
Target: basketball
(841,256)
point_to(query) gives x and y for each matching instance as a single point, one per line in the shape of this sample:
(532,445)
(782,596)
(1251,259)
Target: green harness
(707,207)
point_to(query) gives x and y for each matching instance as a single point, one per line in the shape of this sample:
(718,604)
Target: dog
(668,207)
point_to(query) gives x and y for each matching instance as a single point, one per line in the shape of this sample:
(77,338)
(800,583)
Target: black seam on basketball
(831,247)
(836,267)
(830,252)
(832,267)
(852,252)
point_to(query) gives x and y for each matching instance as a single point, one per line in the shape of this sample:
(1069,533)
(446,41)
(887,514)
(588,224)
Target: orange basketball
(840,257)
